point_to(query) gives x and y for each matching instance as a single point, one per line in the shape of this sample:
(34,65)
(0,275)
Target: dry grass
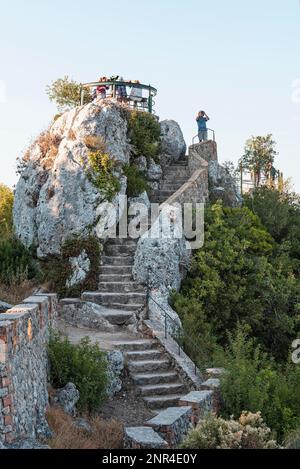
(48,144)
(71,135)
(95,142)
(15,293)
(106,434)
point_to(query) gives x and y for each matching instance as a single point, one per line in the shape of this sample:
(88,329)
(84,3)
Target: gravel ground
(127,406)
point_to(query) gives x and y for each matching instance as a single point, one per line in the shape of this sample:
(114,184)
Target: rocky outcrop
(173,145)
(67,398)
(54,198)
(85,314)
(115,367)
(4,307)
(161,260)
(80,268)
(222,186)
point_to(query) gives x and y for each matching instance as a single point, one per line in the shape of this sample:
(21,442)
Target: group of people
(104,91)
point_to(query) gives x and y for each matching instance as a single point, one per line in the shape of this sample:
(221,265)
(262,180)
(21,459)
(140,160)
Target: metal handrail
(208,130)
(114,84)
(179,328)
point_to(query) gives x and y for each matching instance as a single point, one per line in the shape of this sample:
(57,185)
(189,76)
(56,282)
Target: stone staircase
(175,176)
(153,374)
(117,291)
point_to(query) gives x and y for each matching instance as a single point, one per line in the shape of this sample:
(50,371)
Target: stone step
(141,366)
(168,186)
(173,424)
(152,354)
(118,317)
(163,193)
(121,287)
(119,249)
(124,307)
(142,344)
(144,379)
(162,389)
(109,297)
(116,269)
(121,241)
(143,438)
(163,401)
(118,260)
(115,278)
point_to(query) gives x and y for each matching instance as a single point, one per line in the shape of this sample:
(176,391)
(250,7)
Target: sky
(237,60)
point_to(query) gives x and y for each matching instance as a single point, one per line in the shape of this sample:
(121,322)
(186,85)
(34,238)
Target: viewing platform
(134,94)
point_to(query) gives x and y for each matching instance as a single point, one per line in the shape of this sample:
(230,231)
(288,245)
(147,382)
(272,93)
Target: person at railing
(202,119)
(101,89)
(121,91)
(136,94)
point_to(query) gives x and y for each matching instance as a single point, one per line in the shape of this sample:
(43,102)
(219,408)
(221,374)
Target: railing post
(150,101)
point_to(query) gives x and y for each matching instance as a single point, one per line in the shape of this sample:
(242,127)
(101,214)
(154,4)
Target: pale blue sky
(235,59)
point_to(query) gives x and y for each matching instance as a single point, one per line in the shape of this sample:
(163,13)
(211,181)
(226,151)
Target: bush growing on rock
(136,181)
(65,92)
(100,173)
(82,364)
(57,269)
(249,432)
(144,134)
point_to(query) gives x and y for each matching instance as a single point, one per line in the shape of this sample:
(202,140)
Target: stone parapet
(24,333)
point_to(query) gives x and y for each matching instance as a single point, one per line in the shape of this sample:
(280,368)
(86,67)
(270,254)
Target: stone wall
(24,332)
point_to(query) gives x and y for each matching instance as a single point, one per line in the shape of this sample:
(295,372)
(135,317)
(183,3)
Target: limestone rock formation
(4,307)
(173,145)
(222,186)
(67,398)
(115,367)
(162,254)
(161,261)
(54,198)
(80,268)
(85,314)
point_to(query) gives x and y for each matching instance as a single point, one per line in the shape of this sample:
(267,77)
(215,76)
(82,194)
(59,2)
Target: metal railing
(211,135)
(179,336)
(118,90)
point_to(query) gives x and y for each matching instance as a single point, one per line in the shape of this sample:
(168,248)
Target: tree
(6,205)
(65,92)
(240,276)
(280,214)
(258,158)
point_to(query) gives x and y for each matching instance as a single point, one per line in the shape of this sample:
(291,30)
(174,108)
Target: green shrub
(100,173)
(240,276)
(136,181)
(194,321)
(83,364)
(57,268)
(65,92)
(249,432)
(6,207)
(144,134)
(16,262)
(254,382)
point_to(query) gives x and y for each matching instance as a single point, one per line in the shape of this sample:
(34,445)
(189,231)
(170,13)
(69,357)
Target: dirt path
(105,340)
